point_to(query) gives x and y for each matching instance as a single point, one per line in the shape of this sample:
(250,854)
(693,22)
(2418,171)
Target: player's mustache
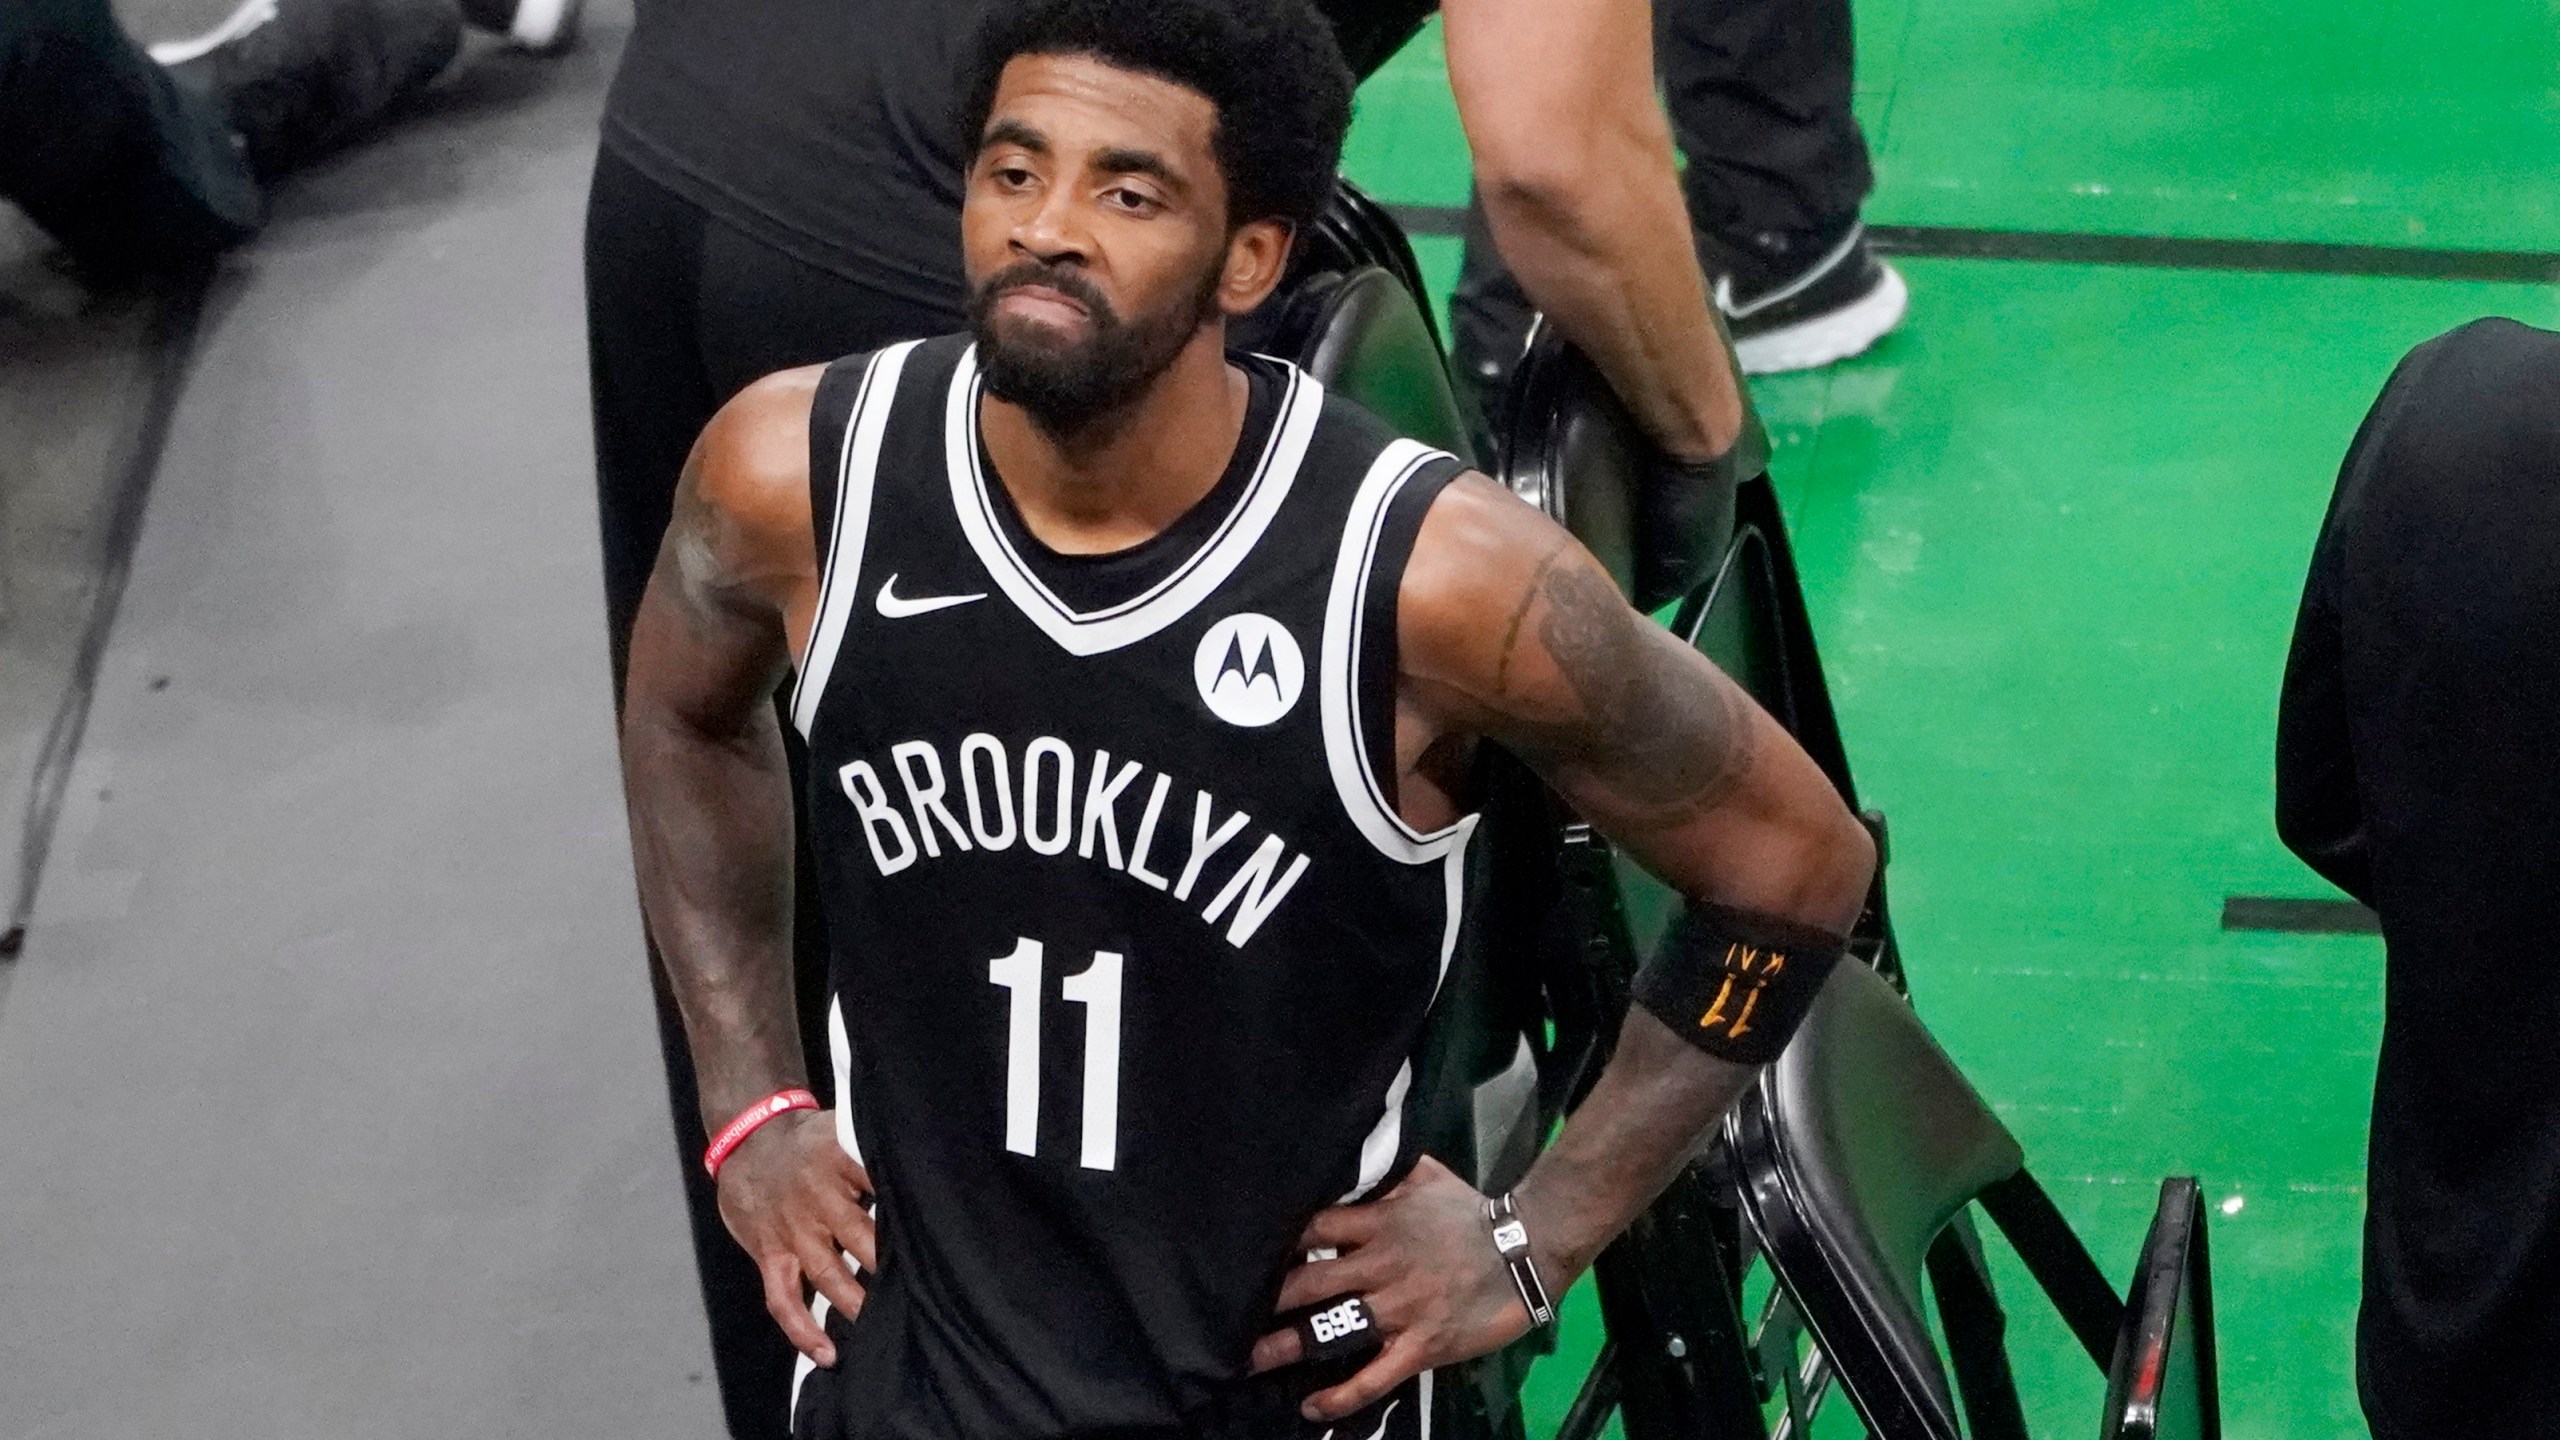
(1066,282)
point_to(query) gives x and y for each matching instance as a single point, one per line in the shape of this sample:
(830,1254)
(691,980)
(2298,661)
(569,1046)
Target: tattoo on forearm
(1665,735)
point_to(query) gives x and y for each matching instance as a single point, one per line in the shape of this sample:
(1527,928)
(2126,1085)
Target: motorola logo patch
(1249,670)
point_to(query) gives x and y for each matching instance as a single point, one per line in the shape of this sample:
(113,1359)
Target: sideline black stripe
(2299,917)
(2300,257)
(2537,267)
(173,344)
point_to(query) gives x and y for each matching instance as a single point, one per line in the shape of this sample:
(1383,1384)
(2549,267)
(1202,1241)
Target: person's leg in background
(684,311)
(152,161)
(1759,97)
(105,151)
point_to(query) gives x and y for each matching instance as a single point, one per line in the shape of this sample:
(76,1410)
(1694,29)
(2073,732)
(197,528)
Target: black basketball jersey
(1131,951)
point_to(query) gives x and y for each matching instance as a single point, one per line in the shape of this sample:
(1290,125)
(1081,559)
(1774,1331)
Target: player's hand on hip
(1424,1259)
(793,1198)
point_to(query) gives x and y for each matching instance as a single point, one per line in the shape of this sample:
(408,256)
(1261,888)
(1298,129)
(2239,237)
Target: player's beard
(1068,387)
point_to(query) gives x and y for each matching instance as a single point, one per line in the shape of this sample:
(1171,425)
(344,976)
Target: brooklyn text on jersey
(1050,813)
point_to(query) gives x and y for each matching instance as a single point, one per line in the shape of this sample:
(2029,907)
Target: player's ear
(1256,255)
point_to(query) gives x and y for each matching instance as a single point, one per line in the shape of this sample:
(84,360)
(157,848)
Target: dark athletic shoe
(1801,305)
(301,77)
(538,27)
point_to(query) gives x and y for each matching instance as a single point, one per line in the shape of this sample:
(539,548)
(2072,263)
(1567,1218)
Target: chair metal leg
(2061,1264)
(1597,1400)
(1976,1330)
(1673,1307)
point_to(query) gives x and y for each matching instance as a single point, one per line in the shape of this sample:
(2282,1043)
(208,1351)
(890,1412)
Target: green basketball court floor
(2053,532)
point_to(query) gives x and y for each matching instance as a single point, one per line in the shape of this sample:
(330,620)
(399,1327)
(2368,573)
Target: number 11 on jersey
(1097,989)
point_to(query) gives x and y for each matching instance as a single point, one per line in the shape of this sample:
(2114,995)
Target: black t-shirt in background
(824,127)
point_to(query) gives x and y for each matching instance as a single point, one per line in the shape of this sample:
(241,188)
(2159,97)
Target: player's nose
(1052,230)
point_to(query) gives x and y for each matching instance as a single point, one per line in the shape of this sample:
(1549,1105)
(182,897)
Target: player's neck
(1124,478)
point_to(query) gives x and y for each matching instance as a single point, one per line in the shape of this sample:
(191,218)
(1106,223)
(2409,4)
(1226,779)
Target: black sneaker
(301,77)
(1796,303)
(540,27)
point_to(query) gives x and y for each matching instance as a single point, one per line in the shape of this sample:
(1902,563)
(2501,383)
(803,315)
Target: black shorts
(1264,1407)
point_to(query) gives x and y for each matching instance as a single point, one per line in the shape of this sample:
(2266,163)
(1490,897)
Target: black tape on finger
(1339,1328)
(1736,983)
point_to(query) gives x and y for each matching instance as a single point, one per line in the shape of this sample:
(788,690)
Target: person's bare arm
(710,803)
(1511,631)
(1574,167)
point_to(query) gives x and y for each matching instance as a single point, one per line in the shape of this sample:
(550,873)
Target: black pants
(101,148)
(1759,95)
(683,312)
(2418,766)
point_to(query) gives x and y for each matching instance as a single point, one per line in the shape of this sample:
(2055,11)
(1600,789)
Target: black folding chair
(1539,984)
(2163,1384)
(1361,332)
(1860,1152)
(1571,449)
(1676,1361)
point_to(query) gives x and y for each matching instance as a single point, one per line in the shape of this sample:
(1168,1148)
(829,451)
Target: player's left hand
(1423,1257)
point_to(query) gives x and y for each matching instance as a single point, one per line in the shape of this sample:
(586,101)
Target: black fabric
(1759,92)
(101,148)
(683,311)
(1097,582)
(1372,31)
(824,127)
(821,127)
(2415,765)
(1736,983)
(1151,807)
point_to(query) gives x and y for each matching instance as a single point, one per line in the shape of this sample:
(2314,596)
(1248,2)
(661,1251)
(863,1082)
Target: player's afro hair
(1271,67)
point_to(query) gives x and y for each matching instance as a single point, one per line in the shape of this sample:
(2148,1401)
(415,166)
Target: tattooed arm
(1510,632)
(730,601)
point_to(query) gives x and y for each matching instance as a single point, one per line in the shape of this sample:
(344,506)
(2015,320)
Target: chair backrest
(1361,334)
(1354,230)
(2163,1384)
(1570,448)
(1858,1146)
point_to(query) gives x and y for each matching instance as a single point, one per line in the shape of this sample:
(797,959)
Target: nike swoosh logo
(1380,1432)
(898,607)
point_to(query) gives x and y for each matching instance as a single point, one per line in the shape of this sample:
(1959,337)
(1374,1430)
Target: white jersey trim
(840,576)
(1355,780)
(840,1056)
(802,1367)
(840,1052)
(1097,632)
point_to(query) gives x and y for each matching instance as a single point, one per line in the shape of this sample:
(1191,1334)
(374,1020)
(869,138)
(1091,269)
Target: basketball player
(1140,684)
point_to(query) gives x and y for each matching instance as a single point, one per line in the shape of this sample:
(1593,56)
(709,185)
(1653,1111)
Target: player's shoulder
(752,461)
(1481,560)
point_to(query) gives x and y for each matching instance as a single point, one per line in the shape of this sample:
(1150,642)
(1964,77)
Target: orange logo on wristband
(1755,968)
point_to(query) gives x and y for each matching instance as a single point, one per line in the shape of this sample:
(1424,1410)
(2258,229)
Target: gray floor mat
(328,1087)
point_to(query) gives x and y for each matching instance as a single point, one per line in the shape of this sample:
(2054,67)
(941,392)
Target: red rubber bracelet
(750,1120)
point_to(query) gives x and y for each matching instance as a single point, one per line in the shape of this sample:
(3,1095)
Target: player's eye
(1128,201)
(1012,177)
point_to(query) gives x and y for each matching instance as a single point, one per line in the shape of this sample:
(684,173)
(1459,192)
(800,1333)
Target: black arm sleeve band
(1736,983)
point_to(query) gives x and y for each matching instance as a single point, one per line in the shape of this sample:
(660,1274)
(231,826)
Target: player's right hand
(793,1198)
